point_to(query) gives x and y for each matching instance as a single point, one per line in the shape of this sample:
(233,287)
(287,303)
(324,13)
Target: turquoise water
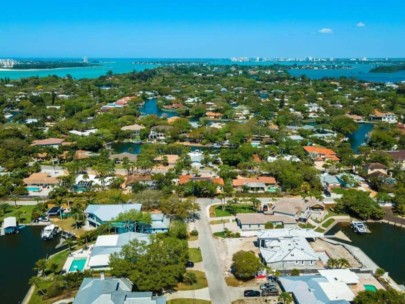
(359,137)
(370,288)
(77,265)
(358,71)
(150,107)
(33,189)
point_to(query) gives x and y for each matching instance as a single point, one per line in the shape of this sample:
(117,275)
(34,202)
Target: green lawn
(319,229)
(201,281)
(306,225)
(328,223)
(188,301)
(339,190)
(59,259)
(195,255)
(231,210)
(37,297)
(23,212)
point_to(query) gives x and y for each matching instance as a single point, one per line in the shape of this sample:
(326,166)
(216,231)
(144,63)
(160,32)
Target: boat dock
(360,227)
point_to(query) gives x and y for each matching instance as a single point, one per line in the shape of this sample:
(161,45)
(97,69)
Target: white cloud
(360,24)
(325,31)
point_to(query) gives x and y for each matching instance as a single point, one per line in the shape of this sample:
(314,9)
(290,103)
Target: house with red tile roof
(261,184)
(318,153)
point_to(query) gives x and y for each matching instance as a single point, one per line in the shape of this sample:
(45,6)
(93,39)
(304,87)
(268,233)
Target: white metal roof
(340,275)
(10,221)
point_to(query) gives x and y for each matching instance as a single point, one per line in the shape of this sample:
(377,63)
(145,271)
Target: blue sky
(202,28)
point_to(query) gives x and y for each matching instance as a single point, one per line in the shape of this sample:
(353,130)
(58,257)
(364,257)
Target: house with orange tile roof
(41,179)
(48,142)
(318,153)
(213,115)
(184,179)
(260,184)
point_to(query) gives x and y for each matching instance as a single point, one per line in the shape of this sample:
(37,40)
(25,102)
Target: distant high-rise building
(85,60)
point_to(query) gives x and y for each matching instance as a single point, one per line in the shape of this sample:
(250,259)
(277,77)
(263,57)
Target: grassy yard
(319,229)
(328,223)
(59,259)
(37,297)
(216,222)
(201,282)
(195,255)
(232,210)
(68,225)
(188,301)
(22,212)
(234,282)
(339,190)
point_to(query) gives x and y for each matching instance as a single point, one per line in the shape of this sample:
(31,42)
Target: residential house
(83,133)
(43,179)
(213,115)
(49,142)
(100,214)
(298,208)
(10,225)
(311,289)
(171,159)
(321,153)
(288,248)
(384,117)
(119,158)
(160,223)
(258,221)
(106,245)
(159,133)
(261,184)
(375,167)
(144,180)
(135,129)
(399,157)
(113,291)
(329,181)
(219,182)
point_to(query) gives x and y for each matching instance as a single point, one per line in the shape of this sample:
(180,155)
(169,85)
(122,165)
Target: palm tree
(285,297)
(343,263)
(35,281)
(256,203)
(70,243)
(3,209)
(41,266)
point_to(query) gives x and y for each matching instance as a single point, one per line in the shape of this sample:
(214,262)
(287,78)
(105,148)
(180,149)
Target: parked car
(270,292)
(267,286)
(265,208)
(190,264)
(327,193)
(251,293)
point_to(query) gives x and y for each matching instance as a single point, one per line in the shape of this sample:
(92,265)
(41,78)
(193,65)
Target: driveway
(218,290)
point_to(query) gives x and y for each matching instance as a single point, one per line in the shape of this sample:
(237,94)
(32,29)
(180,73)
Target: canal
(18,254)
(385,245)
(360,136)
(150,107)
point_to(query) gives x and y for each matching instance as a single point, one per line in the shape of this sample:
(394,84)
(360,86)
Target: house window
(296,262)
(302,262)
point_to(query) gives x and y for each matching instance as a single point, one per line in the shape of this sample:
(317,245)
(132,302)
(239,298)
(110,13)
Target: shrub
(54,290)
(194,233)
(295,272)
(190,278)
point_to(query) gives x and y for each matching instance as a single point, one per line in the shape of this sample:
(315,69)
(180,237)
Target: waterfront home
(213,115)
(316,289)
(119,157)
(135,129)
(384,117)
(258,221)
(106,245)
(288,248)
(159,133)
(99,214)
(83,154)
(10,225)
(291,158)
(113,291)
(49,142)
(261,184)
(84,182)
(171,159)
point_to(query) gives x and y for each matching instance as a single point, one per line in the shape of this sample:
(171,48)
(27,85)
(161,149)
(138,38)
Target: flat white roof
(337,291)
(10,221)
(107,240)
(340,275)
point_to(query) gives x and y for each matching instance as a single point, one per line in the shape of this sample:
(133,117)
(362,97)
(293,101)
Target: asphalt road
(218,289)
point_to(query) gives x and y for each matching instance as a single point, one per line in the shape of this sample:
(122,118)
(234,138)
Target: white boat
(49,232)
(359,227)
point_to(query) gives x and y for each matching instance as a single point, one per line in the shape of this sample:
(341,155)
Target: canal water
(360,136)
(150,107)
(385,245)
(18,254)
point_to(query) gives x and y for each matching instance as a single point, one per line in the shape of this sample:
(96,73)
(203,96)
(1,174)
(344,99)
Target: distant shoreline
(47,69)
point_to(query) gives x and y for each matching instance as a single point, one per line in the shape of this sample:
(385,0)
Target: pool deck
(78,254)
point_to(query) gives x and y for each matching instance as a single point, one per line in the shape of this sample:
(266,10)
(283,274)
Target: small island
(388,68)
(42,65)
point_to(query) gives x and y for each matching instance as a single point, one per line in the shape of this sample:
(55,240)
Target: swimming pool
(77,264)
(34,189)
(370,288)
